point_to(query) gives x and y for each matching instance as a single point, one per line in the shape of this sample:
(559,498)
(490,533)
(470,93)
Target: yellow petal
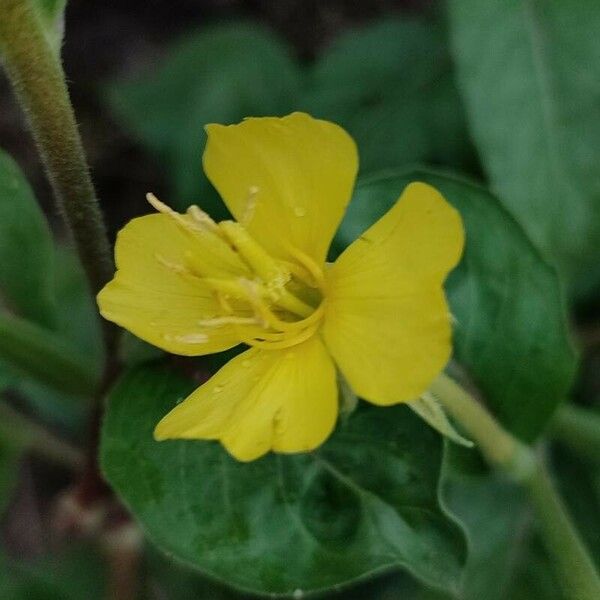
(288,180)
(262,400)
(387,323)
(153,300)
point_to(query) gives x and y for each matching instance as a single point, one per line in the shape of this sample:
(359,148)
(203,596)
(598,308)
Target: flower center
(271,303)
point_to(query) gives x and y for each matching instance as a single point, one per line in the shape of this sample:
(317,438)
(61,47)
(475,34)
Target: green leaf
(530,75)
(51,15)
(43,356)
(494,513)
(26,250)
(510,332)
(221,75)
(431,411)
(390,85)
(365,502)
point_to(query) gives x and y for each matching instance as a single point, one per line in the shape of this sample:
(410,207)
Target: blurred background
(144,77)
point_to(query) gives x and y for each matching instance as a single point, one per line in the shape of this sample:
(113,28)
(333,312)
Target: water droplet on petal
(217,389)
(299,211)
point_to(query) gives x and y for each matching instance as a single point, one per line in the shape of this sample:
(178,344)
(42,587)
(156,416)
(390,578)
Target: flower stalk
(37,76)
(574,567)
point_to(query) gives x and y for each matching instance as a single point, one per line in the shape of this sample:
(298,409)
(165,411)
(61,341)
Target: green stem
(578,428)
(574,567)
(578,576)
(25,433)
(38,79)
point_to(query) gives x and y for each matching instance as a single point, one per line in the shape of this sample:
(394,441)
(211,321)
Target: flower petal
(262,400)
(387,323)
(288,180)
(153,300)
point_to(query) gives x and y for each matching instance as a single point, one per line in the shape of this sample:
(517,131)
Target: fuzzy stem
(574,567)
(39,82)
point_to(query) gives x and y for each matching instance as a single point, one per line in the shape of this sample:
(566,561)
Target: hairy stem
(39,82)
(573,565)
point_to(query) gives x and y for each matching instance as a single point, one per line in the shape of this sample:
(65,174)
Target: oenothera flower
(378,314)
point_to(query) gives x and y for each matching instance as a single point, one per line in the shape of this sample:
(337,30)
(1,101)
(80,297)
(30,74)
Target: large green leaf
(26,252)
(494,513)
(365,502)
(530,74)
(510,331)
(221,75)
(391,85)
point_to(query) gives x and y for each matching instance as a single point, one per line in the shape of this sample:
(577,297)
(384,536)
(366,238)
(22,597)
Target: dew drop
(217,389)
(298,594)
(179,400)
(299,211)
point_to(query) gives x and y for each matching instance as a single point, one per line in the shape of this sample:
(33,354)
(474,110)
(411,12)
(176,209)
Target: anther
(202,218)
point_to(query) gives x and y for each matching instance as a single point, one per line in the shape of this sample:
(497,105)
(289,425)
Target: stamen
(202,218)
(269,317)
(311,266)
(186,224)
(161,207)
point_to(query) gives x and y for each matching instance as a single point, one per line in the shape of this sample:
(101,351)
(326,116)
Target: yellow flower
(378,314)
